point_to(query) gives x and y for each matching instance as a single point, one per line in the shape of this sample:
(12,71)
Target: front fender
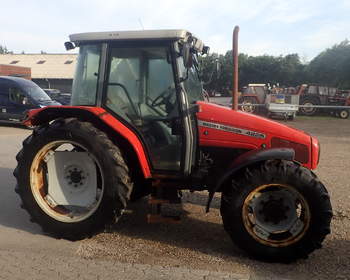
(252,157)
(249,158)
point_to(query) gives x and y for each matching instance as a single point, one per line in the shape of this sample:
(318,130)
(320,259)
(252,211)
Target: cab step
(165,205)
(158,218)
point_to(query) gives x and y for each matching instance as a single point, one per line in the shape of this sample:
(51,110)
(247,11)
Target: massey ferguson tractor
(138,125)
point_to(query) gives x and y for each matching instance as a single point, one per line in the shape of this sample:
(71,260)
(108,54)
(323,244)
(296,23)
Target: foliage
(4,50)
(331,67)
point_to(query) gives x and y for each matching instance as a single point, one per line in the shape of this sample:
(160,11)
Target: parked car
(18,95)
(57,95)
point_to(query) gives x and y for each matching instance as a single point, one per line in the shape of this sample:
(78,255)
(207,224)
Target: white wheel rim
(248,107)
(37,183)
(308,109)
(343,114)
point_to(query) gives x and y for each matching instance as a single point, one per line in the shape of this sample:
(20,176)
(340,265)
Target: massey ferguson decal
(232,129)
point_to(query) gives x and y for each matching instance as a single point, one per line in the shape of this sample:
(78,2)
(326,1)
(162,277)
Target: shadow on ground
(11,215)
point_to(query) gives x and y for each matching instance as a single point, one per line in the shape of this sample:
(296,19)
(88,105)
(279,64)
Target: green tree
(332,66)
(4,50)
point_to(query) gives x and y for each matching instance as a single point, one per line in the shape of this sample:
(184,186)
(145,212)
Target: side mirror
(69,46)
(187,55)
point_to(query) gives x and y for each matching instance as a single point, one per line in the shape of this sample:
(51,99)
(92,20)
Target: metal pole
(235,68)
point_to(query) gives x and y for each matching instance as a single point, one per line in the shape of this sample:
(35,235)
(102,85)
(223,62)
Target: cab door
(140,90)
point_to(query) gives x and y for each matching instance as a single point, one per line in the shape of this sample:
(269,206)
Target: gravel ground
(200,242)
(195,249)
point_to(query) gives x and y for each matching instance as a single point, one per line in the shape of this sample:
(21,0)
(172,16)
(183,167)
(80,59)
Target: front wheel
(72,179)
(344,113)
(277,211)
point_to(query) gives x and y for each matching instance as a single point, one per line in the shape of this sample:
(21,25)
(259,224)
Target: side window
(4,95)
(312,90)
(160,77)
(123,88)
(323,90)
(16,96)
(86,76)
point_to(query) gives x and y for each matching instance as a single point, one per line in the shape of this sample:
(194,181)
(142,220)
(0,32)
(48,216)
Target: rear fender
(247,159)
(99,117)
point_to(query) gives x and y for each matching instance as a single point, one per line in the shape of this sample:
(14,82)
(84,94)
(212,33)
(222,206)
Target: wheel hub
(72,179)
(75,176)
(274,210)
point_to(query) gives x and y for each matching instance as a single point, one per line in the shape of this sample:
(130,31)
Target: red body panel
(221,126)
(113,123)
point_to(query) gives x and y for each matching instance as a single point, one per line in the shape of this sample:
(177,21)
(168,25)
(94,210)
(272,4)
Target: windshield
(36,93)
(192,83)
(84,88)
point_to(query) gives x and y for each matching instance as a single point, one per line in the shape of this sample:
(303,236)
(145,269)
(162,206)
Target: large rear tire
(112,184)
(308,111)
(277,211)
(247,105)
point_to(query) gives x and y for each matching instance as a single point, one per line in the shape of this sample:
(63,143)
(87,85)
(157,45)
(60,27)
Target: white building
(48,70)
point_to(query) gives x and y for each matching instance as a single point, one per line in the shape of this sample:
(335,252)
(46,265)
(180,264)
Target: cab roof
(161,34)
(131,35)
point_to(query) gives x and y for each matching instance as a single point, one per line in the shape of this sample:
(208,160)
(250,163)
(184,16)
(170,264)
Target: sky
(272,27)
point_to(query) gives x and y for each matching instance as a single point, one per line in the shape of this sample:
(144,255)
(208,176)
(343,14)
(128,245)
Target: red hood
(224,127)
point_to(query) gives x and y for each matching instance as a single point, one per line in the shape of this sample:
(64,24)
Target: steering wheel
(163,98)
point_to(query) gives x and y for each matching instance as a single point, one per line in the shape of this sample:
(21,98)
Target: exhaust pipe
(235,68)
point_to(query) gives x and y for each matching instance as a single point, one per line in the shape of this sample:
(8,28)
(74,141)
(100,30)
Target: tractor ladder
(165,205)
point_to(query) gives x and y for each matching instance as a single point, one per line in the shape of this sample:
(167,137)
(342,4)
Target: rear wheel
(72,179)
(308,111)
(247,105)
(279,211)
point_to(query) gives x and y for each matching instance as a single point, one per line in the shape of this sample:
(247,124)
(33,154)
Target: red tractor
(138,125)
(311,95)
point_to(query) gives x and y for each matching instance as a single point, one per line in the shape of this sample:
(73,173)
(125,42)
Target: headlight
(301,150)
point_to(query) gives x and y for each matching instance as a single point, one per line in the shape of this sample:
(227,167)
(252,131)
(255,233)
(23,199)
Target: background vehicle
(343,113)
(261,98)
(18,95)
(320,95)
(57,95)
(138,125)
(282,105)
(253,94)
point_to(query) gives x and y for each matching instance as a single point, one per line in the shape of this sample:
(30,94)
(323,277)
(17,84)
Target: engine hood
(224,127)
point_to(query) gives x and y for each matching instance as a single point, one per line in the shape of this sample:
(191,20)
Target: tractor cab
(150,82)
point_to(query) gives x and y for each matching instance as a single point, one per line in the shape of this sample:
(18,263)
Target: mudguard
(247,159)
(47,114)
